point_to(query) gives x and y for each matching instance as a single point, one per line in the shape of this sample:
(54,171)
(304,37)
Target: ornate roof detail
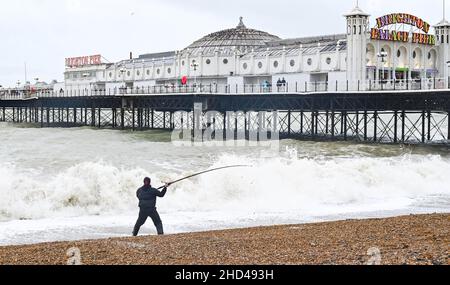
(240,38)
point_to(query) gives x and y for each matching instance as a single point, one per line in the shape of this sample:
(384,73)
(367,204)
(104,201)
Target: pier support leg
(122,118)
(289,123)
(395,127)
(365,126)
(99,118)
(48,116)
(403,126)
(357,124)
(333,124)
(133,120)
(375,126)
(301,122)
(92,117)
(448,125)
(429,126)
(42,117)
(345,124)
(152,123)
(423,127)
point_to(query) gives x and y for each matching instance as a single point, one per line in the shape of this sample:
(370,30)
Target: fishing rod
(203,172)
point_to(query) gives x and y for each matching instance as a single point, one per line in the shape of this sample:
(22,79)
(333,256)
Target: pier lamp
(195,65)
(122,71)
(382,55)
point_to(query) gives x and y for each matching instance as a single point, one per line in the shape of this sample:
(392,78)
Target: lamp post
(122,72)
(382,55)
(195,65)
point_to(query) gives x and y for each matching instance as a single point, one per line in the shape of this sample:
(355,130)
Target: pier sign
(83,61)
(418,33)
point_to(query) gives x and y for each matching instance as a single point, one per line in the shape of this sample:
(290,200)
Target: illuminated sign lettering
(84,61)
(421,37)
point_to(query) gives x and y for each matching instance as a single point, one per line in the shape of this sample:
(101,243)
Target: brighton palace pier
(398,51)
(383,81)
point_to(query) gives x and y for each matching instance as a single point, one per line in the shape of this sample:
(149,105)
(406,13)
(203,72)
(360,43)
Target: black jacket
(147,196)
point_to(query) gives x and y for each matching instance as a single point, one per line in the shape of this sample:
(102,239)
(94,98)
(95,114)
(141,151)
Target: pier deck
(415,117)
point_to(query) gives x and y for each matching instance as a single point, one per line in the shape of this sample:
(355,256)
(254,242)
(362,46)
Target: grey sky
(44,32)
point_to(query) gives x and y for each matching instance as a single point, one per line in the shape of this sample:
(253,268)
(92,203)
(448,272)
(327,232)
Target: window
(414,54)
(349,30)
(360,29)
(245,65)
(148,72)
(128,73)
(275,64)
(354,29)
(309,61)
(328,60)
(429,55)
(260,65)
(158,71)
(225,61)
(292,63)
(182,63)
(208,61)
(138,73)
(399,53)
(169,70)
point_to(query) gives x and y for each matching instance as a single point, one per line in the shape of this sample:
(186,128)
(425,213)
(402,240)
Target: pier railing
(235,89)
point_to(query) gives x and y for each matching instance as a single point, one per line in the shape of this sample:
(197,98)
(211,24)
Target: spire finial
(443,10)
(241,23)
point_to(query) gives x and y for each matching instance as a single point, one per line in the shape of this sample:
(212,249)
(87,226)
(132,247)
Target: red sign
(84,61)
(184,80)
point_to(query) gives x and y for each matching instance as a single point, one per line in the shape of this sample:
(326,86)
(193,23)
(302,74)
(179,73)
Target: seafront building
(395,51)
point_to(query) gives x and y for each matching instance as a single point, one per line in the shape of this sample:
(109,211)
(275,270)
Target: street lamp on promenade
(122,72)
(382,55)
(195,66)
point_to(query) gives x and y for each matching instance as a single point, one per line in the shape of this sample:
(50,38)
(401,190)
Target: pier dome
(227,41)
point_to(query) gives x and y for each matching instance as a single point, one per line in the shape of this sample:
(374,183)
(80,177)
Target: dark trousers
(143,215)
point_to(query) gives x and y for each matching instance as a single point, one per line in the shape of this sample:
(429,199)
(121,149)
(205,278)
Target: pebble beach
(411,240)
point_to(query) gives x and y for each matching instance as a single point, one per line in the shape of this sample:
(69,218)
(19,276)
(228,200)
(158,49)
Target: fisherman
(147,196)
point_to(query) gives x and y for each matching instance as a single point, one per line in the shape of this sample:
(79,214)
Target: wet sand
(416,239)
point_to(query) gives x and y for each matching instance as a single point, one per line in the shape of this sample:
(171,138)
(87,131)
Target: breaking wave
(283,184)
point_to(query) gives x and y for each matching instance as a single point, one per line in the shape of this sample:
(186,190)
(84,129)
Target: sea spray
(279,184)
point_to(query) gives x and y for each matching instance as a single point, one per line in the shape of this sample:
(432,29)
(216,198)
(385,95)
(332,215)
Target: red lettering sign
(84,61)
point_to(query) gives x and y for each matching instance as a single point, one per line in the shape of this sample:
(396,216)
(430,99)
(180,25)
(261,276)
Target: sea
(80,183)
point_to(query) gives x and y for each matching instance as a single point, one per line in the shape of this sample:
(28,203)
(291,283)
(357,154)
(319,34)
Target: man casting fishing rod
(147,196)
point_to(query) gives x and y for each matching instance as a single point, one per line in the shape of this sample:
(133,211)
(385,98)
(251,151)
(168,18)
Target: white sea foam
(304,186)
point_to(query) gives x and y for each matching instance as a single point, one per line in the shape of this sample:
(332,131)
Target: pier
(407,117)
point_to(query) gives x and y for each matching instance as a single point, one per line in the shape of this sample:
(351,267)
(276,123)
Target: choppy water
(67,184)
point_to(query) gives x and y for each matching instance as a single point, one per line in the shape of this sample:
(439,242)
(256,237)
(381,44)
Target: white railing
(288,87)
